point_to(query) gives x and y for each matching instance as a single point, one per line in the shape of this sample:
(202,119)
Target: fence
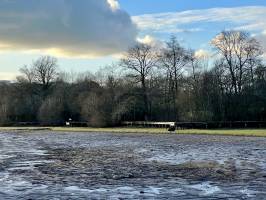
(198,125)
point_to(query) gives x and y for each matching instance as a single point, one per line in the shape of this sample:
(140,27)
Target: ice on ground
(141,150)
(27,165)
(118,190)
(180,158)
(4,157)
(153,190)
(171,158)
(206,188)
(37,152)
(248,193)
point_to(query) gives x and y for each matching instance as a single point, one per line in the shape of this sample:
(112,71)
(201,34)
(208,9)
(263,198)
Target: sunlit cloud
(8,76)
(73,28)
(202,54)
(152,41)
(114,4)
(147,39)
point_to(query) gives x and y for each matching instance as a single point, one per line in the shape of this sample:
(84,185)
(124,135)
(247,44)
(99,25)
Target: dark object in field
(171,128)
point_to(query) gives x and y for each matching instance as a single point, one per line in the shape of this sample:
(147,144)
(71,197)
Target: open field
(77,165)
(232,132)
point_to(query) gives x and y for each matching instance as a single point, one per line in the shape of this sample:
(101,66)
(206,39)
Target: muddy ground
(47,165)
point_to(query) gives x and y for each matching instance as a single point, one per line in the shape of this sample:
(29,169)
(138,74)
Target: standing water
(45,165)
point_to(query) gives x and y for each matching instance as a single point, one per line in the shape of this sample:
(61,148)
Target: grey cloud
(67,27)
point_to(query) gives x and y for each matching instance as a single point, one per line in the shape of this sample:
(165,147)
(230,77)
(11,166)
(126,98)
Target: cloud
(249,18)
(82,28)
(114,4)
(6,76)
(202,54)
(147,39)
(152,41)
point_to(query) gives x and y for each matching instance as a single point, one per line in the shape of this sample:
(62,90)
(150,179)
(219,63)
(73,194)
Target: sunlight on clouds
(8,76)
(114,4)
(147,40)
(73,28)
(202,54)
(62,53)
(95,28)
(152,41)
(118,56)
(68,54)
(4,47)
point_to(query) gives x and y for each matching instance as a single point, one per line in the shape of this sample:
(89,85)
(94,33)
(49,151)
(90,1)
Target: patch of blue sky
(138,7)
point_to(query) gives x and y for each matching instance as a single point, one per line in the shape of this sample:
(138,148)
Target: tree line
(166,83)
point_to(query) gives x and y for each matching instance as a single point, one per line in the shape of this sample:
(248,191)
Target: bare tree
(140,60)
(238,50)
(4,105)
(42,71)
(27,74)
(51,110)
(45,70)
(173,59)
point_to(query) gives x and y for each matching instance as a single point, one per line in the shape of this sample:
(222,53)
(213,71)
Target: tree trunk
(145,99)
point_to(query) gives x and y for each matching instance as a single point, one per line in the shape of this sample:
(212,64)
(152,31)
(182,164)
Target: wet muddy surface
(47,165)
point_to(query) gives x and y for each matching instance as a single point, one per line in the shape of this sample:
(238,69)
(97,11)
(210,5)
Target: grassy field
(233,132)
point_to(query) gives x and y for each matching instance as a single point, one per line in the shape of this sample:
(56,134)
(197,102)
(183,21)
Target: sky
(86,35)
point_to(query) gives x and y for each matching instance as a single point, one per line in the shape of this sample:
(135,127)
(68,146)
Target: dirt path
(45,165)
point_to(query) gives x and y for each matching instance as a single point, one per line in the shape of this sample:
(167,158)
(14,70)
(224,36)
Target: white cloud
(83,28)
(202,54)
(250,18)
(7,76)
(114,4)
(152,41)
(147,39)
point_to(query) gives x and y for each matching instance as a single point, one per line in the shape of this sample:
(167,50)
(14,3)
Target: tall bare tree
(238,51)
(173,59)
(27,74)
(45,70)
(140,60)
